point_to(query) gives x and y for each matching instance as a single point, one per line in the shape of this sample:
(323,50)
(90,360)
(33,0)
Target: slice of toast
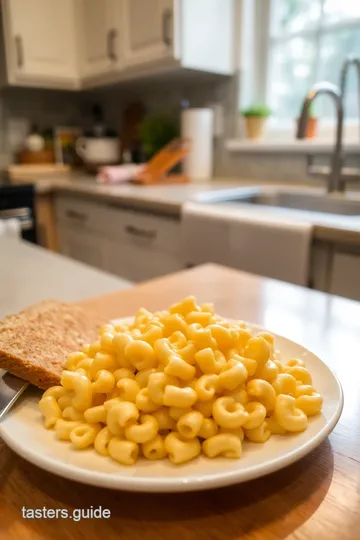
(35,343)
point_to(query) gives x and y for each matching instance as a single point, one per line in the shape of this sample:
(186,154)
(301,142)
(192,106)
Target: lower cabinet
(85,247)
(136,246)
(139,263)
(345,276)
(336,269)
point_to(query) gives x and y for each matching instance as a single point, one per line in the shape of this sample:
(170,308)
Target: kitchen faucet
(336,175)
(326,88)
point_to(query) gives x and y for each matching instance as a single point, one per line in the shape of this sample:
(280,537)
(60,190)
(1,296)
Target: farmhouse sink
(296,199)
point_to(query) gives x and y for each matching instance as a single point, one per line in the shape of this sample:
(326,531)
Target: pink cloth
(118,174)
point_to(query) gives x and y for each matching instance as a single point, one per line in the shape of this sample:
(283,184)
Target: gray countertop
(29,274)
(168,199)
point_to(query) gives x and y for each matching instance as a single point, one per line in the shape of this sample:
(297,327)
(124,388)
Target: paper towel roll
(10,228)
(197,125)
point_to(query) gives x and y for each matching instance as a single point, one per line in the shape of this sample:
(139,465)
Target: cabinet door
(345,276)
(40,40)
(88,248)
(139,262)
(148,30)
(99,37)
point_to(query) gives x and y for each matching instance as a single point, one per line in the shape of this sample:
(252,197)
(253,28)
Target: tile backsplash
(19,107)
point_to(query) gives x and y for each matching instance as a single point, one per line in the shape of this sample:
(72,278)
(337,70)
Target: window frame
(257,15)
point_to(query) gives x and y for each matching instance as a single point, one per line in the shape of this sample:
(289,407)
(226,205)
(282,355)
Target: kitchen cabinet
(335,268)
(99,44)
(79,44)
(141,246)
(82,246)
(40,43)
(196,35)
(149,30)
(131,244)
(345,275)
(137,262)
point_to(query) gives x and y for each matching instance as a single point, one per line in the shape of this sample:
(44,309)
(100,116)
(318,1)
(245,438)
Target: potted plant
(255,117)
(156,131)
(312,124)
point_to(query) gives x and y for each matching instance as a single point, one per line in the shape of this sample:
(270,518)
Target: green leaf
(257,110)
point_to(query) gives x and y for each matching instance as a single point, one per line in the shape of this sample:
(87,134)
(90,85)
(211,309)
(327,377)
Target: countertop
(326,227)
(316,498)
(29,273)
(168,200)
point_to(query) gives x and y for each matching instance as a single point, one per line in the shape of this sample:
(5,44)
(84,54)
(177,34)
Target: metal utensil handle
(166,28)
(11,388)
(111,37)
(19,51)
(135,231)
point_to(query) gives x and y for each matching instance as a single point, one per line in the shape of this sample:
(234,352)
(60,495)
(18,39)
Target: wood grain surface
(316,498)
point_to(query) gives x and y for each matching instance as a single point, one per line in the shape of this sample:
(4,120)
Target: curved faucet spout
(326,88)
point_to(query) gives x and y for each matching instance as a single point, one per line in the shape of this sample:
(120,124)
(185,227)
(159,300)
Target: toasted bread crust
(35,343)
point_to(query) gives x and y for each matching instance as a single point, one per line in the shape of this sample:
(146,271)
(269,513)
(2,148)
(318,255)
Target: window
(308,42)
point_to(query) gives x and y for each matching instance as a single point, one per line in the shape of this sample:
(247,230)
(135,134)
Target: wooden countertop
(316,498)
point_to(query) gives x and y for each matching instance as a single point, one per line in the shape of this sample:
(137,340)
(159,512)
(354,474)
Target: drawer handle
(72,214)
(141,233)
(166,26)
(19,51)
(111,39)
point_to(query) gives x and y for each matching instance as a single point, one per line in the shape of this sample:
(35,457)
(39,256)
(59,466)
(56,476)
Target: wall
(277,166)
(49,108)
(20,107)
(167,95)
(261,166)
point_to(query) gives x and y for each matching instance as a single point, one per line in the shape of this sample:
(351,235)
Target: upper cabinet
(99,24)
(40,42)
(89,43)
(149,31)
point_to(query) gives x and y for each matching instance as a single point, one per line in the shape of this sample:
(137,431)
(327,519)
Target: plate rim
(178,484)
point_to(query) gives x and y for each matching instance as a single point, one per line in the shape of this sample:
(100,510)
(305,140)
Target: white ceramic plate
(22,429)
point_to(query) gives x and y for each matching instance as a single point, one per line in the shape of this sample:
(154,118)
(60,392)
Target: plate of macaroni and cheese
(178,400)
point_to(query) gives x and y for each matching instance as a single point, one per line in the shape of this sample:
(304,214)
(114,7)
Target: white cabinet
(208,40)
(87,43)
(148,30)
(190,34)
(137,261)
(134,245)
(82,246)
(40,42)
(345,275)
(336,269)
(99,24)
(141,246)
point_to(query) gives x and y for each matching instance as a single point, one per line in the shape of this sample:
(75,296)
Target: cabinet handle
(141,233)
(72,214)
(111,37)
(166,27)
(19,51)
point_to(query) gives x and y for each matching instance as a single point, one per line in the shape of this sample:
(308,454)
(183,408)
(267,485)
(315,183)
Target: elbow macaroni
(178,383)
